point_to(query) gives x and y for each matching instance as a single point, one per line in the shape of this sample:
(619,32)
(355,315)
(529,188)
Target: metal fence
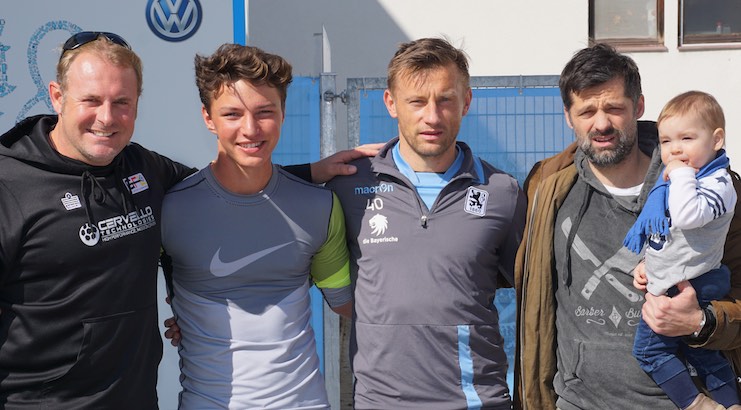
(513,122)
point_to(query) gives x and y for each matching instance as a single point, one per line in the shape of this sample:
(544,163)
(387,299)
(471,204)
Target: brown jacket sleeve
(535,350)
(727,335)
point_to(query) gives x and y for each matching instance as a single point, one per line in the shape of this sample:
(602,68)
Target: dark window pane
(711,21)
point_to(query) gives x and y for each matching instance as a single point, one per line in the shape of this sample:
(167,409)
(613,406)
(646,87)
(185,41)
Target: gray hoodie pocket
(607,376)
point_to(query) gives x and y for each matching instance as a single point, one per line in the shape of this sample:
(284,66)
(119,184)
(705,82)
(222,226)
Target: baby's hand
(639,276)
(671,166)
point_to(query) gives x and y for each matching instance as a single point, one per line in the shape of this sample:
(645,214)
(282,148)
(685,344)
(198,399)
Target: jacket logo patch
(476,201)
(136,183)
(656,241)
(71,202)
(378,223)
(89,234)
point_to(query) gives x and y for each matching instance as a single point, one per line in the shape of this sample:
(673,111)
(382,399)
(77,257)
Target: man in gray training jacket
(432,230)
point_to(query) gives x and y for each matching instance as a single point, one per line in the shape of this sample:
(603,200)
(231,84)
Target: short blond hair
(701,103)
(114,53)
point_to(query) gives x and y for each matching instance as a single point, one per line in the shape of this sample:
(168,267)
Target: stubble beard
(430,151)
(612,156)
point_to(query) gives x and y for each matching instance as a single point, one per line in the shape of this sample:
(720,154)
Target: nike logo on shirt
(220,268)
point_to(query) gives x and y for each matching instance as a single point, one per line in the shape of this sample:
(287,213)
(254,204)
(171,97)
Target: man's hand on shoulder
(337,163)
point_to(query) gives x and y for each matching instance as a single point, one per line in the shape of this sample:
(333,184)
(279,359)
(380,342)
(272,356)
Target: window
(710,21)
(627,23)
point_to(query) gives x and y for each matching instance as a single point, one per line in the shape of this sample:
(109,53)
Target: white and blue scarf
(654,218)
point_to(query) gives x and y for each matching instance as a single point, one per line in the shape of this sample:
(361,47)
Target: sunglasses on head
(84,37)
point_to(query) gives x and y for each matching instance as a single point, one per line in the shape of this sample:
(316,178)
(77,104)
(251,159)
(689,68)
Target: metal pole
(328,122)
(328,116)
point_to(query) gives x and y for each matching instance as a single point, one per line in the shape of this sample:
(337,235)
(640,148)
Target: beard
(626,140)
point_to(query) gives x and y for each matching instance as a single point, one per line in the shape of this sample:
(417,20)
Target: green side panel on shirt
(330,267)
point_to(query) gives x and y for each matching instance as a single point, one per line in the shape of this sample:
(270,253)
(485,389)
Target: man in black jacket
(80,207)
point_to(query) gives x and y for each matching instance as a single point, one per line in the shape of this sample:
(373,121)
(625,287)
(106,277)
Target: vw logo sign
(174,20)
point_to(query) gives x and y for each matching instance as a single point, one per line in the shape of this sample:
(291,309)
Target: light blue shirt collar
(427,184)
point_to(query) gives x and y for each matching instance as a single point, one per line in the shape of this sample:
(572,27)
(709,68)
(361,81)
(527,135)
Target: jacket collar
(471,168)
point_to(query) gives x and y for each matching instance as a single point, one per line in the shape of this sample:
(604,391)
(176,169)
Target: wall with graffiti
(165,33)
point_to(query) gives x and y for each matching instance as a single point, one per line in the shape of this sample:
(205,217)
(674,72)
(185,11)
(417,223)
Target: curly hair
(234,62)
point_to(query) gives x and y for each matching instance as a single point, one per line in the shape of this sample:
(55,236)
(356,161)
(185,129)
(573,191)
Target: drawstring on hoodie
(96,190)
(572,234)
(90,186)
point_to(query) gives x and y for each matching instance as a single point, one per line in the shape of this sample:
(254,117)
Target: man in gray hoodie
(578,309)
